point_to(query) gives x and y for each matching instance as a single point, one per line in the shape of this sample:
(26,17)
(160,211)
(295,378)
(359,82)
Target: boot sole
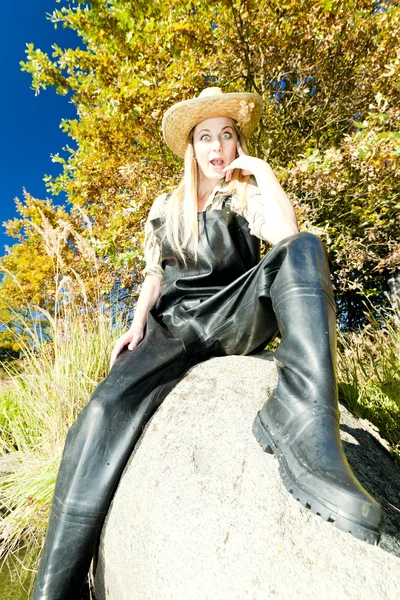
(304,495)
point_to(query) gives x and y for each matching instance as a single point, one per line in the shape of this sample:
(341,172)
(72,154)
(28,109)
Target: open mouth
(217,163)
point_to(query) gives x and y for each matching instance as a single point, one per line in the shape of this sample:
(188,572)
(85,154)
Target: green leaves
(362,226)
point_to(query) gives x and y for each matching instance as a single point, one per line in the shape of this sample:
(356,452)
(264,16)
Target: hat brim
(180,119)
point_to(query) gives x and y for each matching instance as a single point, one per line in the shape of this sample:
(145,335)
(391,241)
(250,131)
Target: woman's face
(215,146)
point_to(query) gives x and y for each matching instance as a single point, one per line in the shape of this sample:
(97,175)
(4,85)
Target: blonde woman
(207,293)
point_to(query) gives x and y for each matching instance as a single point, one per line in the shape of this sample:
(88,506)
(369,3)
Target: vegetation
(63,355)
(44,392)
(369,375)
(328,72)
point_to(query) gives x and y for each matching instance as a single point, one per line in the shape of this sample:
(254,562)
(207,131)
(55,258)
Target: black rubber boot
(67,554)
(300,421)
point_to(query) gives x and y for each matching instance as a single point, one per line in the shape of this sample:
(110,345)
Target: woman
(206,293)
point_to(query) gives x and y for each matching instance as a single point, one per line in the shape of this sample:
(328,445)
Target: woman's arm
(148,295)
(281,220)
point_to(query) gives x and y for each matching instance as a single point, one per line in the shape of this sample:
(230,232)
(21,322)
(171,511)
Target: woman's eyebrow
(208,131)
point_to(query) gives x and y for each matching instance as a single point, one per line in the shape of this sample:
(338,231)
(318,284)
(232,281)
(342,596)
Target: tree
(319,65)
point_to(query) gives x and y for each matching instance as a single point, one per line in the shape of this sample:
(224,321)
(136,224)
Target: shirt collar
(220,188)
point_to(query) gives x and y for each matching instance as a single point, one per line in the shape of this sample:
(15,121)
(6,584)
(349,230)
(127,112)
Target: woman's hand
(131,338)
(250,165)
(148,295)
(280,219)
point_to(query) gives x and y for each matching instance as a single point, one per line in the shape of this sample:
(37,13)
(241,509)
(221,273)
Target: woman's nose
(216,145)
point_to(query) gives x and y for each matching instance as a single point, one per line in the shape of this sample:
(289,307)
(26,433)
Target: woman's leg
(291,289)
(97,448)
(300,421)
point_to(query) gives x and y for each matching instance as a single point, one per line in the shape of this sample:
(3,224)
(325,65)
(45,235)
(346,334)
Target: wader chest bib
(210,302)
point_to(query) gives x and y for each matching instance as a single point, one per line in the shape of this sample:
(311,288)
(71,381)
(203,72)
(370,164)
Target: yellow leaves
(316,69)
(390,71)
(351,189)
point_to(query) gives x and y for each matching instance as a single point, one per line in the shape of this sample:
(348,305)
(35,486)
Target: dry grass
(45,390)
(369,376)
(39,404)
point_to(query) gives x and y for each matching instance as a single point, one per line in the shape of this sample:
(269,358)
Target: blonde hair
(181,226)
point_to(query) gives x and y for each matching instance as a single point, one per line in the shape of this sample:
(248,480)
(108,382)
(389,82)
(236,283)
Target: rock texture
(201,513)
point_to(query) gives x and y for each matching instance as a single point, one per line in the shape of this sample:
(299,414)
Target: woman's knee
(307,245)
(311,239)
(305,238)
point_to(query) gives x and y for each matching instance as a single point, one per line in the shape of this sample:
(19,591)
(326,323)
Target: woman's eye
(224,136)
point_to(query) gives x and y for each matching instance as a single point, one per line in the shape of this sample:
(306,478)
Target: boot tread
(305,497)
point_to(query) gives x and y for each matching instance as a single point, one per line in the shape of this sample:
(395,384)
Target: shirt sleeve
(255,212)
(151,247)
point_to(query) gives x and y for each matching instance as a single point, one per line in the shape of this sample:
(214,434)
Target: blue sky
(30,131)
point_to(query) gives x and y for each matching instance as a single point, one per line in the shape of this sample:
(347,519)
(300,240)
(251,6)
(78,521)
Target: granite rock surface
(201,514)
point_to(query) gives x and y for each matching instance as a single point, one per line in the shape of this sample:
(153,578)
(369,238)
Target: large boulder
(201,513)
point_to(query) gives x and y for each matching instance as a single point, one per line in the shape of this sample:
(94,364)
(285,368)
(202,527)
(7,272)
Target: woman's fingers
(116,351)
(229,167)
(246,163)
(130,339)
(235,164)
(135,341)
(228,172)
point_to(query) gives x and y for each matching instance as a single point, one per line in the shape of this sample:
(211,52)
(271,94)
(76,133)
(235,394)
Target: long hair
(181,226)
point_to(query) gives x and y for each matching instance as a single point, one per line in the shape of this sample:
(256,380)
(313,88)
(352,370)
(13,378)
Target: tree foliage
(350,196)
(328,71)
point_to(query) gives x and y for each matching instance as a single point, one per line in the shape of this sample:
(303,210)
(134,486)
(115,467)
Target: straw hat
(243,107)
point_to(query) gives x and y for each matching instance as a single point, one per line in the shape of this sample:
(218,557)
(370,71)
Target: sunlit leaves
(352,194)
(328,71)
